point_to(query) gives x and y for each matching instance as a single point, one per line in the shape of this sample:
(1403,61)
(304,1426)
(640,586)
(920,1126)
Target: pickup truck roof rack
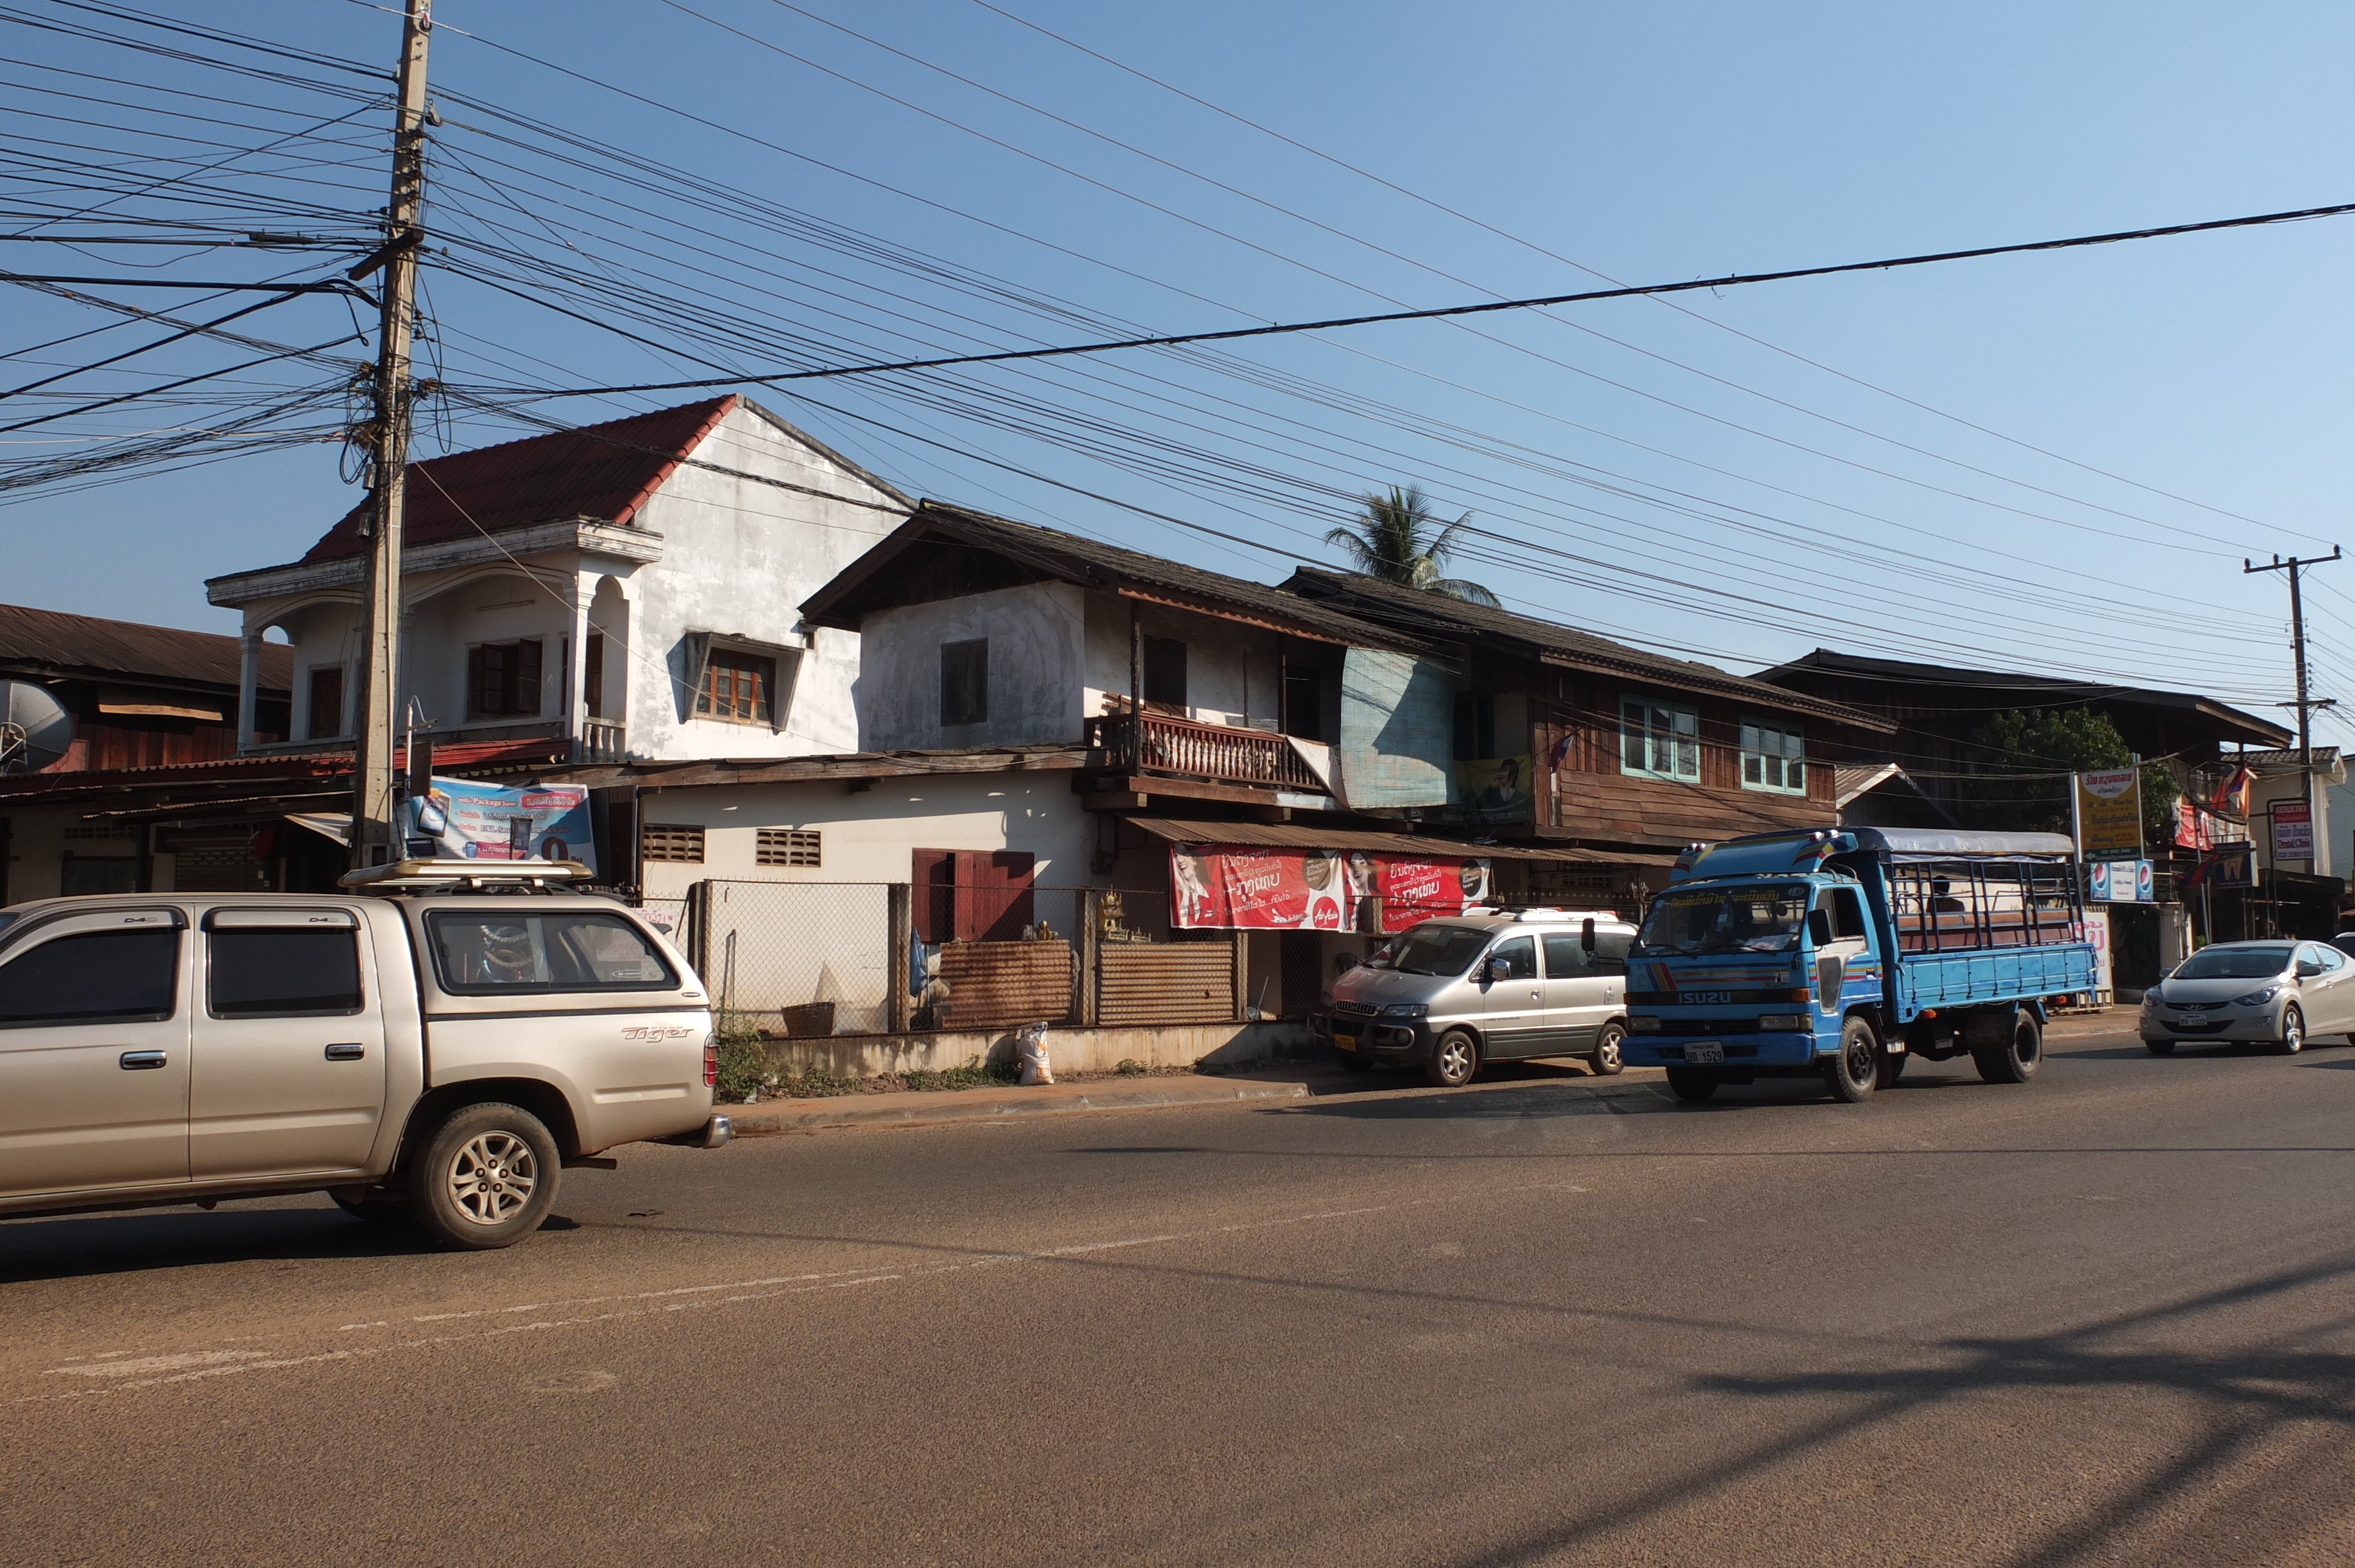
(455,876)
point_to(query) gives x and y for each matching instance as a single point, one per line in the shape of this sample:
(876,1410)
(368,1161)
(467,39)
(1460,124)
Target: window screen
(965,682)
(521,952)
(284,974)
(96,977)
(1165,672)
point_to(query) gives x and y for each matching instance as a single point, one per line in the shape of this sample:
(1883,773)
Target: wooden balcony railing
(1222,754)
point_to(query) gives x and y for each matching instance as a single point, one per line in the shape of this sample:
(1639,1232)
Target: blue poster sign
(466,820)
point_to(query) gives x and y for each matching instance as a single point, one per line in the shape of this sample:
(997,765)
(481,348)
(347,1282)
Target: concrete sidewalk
(919,1107)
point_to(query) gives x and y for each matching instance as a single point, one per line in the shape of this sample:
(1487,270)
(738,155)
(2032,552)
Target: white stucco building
(632,586)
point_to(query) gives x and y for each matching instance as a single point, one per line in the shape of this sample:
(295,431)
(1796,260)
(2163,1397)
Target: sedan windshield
(2234,963)
(1763,918)
(1435,950)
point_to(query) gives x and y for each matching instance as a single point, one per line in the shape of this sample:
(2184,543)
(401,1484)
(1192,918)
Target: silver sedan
(2279,993)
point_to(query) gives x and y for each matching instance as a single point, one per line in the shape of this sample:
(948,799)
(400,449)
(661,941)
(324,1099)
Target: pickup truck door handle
(134,1061)
(345,1053)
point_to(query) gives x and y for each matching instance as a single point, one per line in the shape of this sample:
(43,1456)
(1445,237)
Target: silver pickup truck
(433,1045)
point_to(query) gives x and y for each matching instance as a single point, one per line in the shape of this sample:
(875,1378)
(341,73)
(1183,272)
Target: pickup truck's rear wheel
(2015,1063)
(1853,1073)
(1692,1084)
(1607,1058)
(485,1178)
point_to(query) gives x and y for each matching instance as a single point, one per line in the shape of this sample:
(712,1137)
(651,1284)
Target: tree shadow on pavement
(2249,1397)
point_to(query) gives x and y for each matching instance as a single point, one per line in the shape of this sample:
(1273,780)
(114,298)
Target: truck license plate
(1711,1053)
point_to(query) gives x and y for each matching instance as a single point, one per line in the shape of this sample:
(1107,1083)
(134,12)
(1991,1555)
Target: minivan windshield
(1431,948)
(2234,963)
(1756,918)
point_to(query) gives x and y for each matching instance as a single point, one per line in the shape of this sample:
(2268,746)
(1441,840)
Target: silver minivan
(1450,995)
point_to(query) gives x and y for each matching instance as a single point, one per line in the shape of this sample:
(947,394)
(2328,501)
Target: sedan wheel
(2292,1031)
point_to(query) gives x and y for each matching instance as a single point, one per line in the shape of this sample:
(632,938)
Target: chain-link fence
(797,959)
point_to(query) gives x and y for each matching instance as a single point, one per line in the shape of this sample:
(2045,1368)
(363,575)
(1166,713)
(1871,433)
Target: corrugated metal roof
(53,641)
(866,583)
(1267,835)
(1379,600)
(464,756)
(606,472)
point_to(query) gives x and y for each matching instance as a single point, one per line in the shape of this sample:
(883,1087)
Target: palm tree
(1398,540)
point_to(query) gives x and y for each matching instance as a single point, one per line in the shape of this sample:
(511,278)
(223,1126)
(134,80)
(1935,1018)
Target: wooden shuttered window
(737,687)
(974,895)
(503,680)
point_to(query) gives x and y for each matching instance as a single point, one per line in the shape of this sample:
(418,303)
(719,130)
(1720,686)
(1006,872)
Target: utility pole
(375,834)
(2305,704)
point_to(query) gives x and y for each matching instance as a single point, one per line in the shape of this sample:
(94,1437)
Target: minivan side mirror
(1586,934)
(1819,926)
(1495,970)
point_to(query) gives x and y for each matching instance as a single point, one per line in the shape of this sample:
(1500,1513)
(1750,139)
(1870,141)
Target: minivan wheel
(1607,1058)
(1453,1061)
(1852,1075)
(485,1178)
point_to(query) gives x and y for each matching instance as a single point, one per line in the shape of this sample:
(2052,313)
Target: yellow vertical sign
(2109,812)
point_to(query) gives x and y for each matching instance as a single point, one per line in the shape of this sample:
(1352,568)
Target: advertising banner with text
(465,819)
(2109,812)
(1236,887)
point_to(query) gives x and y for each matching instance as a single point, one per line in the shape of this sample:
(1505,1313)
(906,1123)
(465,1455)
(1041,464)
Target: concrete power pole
(2305,704)
(375,835)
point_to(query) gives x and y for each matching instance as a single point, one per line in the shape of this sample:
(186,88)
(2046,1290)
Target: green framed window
(1659,740)
(1774,757)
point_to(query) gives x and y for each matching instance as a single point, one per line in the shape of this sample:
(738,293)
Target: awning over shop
(1269,835)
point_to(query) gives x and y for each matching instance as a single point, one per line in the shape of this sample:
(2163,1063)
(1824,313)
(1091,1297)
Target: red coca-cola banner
(1233,887)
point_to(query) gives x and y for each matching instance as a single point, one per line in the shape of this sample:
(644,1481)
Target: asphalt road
(2105,1316)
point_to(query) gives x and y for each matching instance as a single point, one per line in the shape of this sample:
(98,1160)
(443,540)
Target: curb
(756,1121)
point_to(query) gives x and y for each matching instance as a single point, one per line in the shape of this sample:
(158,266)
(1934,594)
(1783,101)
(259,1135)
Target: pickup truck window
(1763,918)
(521,952)
(94,977)
(284,974)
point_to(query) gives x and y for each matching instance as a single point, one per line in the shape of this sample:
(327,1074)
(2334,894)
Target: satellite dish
(35,728)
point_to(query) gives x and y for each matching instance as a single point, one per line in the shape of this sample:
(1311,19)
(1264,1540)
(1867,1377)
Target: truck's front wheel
(1692,1084)
(485,1178)
(2015,1063)
(1853,1073)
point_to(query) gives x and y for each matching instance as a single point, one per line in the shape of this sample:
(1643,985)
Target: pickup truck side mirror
(1586,935)
(1819,928)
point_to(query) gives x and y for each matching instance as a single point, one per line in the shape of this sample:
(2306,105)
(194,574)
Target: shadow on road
(141,1240)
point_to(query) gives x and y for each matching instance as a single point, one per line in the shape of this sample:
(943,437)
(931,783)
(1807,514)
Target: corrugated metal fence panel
(1165,982)
(1005,982)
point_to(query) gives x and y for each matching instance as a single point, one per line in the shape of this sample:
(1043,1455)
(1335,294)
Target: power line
(1444,312)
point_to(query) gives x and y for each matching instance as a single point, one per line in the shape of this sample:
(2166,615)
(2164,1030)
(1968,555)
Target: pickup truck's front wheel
(485,1178)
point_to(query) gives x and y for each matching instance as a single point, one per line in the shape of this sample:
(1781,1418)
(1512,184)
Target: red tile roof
(606,472)
(50,639)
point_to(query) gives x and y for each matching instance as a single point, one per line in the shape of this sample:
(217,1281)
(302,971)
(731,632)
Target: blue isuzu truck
(1840,953)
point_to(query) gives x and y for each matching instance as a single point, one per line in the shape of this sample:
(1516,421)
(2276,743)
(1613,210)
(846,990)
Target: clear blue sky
(1647,143)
